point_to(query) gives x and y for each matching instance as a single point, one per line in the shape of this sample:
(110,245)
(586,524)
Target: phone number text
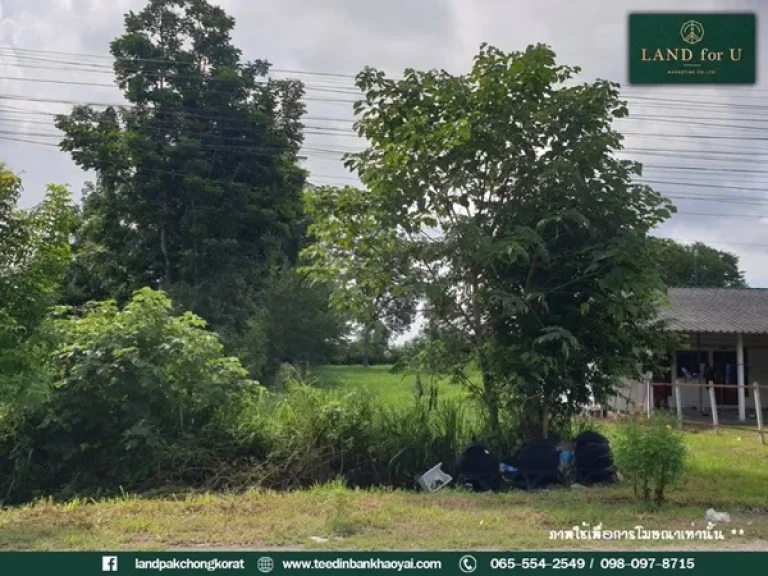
(607,563)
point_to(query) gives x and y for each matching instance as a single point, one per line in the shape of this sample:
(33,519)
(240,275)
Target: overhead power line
(103,63)
(104,60)
(21,52)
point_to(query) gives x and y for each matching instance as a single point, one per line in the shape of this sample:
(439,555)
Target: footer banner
(437,563)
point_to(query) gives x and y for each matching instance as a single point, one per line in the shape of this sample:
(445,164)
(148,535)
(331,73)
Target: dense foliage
(370,345)
(199,188)
(138,397)
(294,324)
(34,252)
(697,265)
(495,198)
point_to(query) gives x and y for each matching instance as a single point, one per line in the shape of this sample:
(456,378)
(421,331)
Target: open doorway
(725,370)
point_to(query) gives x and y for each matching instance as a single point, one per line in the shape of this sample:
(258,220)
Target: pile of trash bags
(539,463)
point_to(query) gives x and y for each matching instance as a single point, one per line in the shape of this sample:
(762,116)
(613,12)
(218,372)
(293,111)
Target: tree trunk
(164,249)
(491,401)
(490,391)
(195,276)
(545,417)
(366,347)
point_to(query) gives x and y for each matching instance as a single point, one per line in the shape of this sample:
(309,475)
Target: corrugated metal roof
(724,310)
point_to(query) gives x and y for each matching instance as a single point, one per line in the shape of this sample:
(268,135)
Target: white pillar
(674,374)
(711,358)
(648,394)
(700,380)
(740,377)
(759,411)
(713,405)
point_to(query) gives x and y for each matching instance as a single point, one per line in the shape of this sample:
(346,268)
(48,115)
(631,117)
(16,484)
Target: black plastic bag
(593,459)
(479,469)
(537,463)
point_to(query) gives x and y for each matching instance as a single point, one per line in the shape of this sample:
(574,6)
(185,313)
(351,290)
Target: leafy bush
(651,453)
(34,252)
(140,398)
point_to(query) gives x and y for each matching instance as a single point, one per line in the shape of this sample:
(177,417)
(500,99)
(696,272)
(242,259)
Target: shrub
(140,398)
(651,453)
(34,253)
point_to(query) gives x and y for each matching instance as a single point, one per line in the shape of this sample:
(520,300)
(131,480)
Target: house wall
(757,360)
(631,397)
(634,391)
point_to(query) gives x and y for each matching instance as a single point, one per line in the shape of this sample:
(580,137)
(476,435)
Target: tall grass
(317,435)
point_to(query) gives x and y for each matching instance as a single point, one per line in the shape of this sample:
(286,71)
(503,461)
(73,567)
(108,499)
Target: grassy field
(727,472)
(391,389)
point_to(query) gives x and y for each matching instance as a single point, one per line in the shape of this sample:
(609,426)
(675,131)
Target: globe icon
(265,564)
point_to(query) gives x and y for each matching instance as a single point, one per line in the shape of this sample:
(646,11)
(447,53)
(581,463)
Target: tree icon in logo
(692,32)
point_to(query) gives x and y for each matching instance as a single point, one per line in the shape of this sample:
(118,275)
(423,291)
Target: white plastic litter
(434,479)
(577,486)
(318,539)
(718,517)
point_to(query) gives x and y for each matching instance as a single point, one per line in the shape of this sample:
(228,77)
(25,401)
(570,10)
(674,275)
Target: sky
(326,42)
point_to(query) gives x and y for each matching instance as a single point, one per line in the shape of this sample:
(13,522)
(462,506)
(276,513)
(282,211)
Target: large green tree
(697,265)
(293,325)
(495,200)
(199,187)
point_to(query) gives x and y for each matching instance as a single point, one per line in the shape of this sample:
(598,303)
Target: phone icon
(467,564)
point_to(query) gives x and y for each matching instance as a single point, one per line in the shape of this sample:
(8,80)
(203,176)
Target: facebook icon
(109,563)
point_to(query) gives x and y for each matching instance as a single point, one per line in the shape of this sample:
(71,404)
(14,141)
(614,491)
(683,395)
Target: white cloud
(344,35)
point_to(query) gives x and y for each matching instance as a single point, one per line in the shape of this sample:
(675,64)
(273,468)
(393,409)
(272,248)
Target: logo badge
(467,564)
(265,564)
(109,563)
(692,48)
(692,32)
